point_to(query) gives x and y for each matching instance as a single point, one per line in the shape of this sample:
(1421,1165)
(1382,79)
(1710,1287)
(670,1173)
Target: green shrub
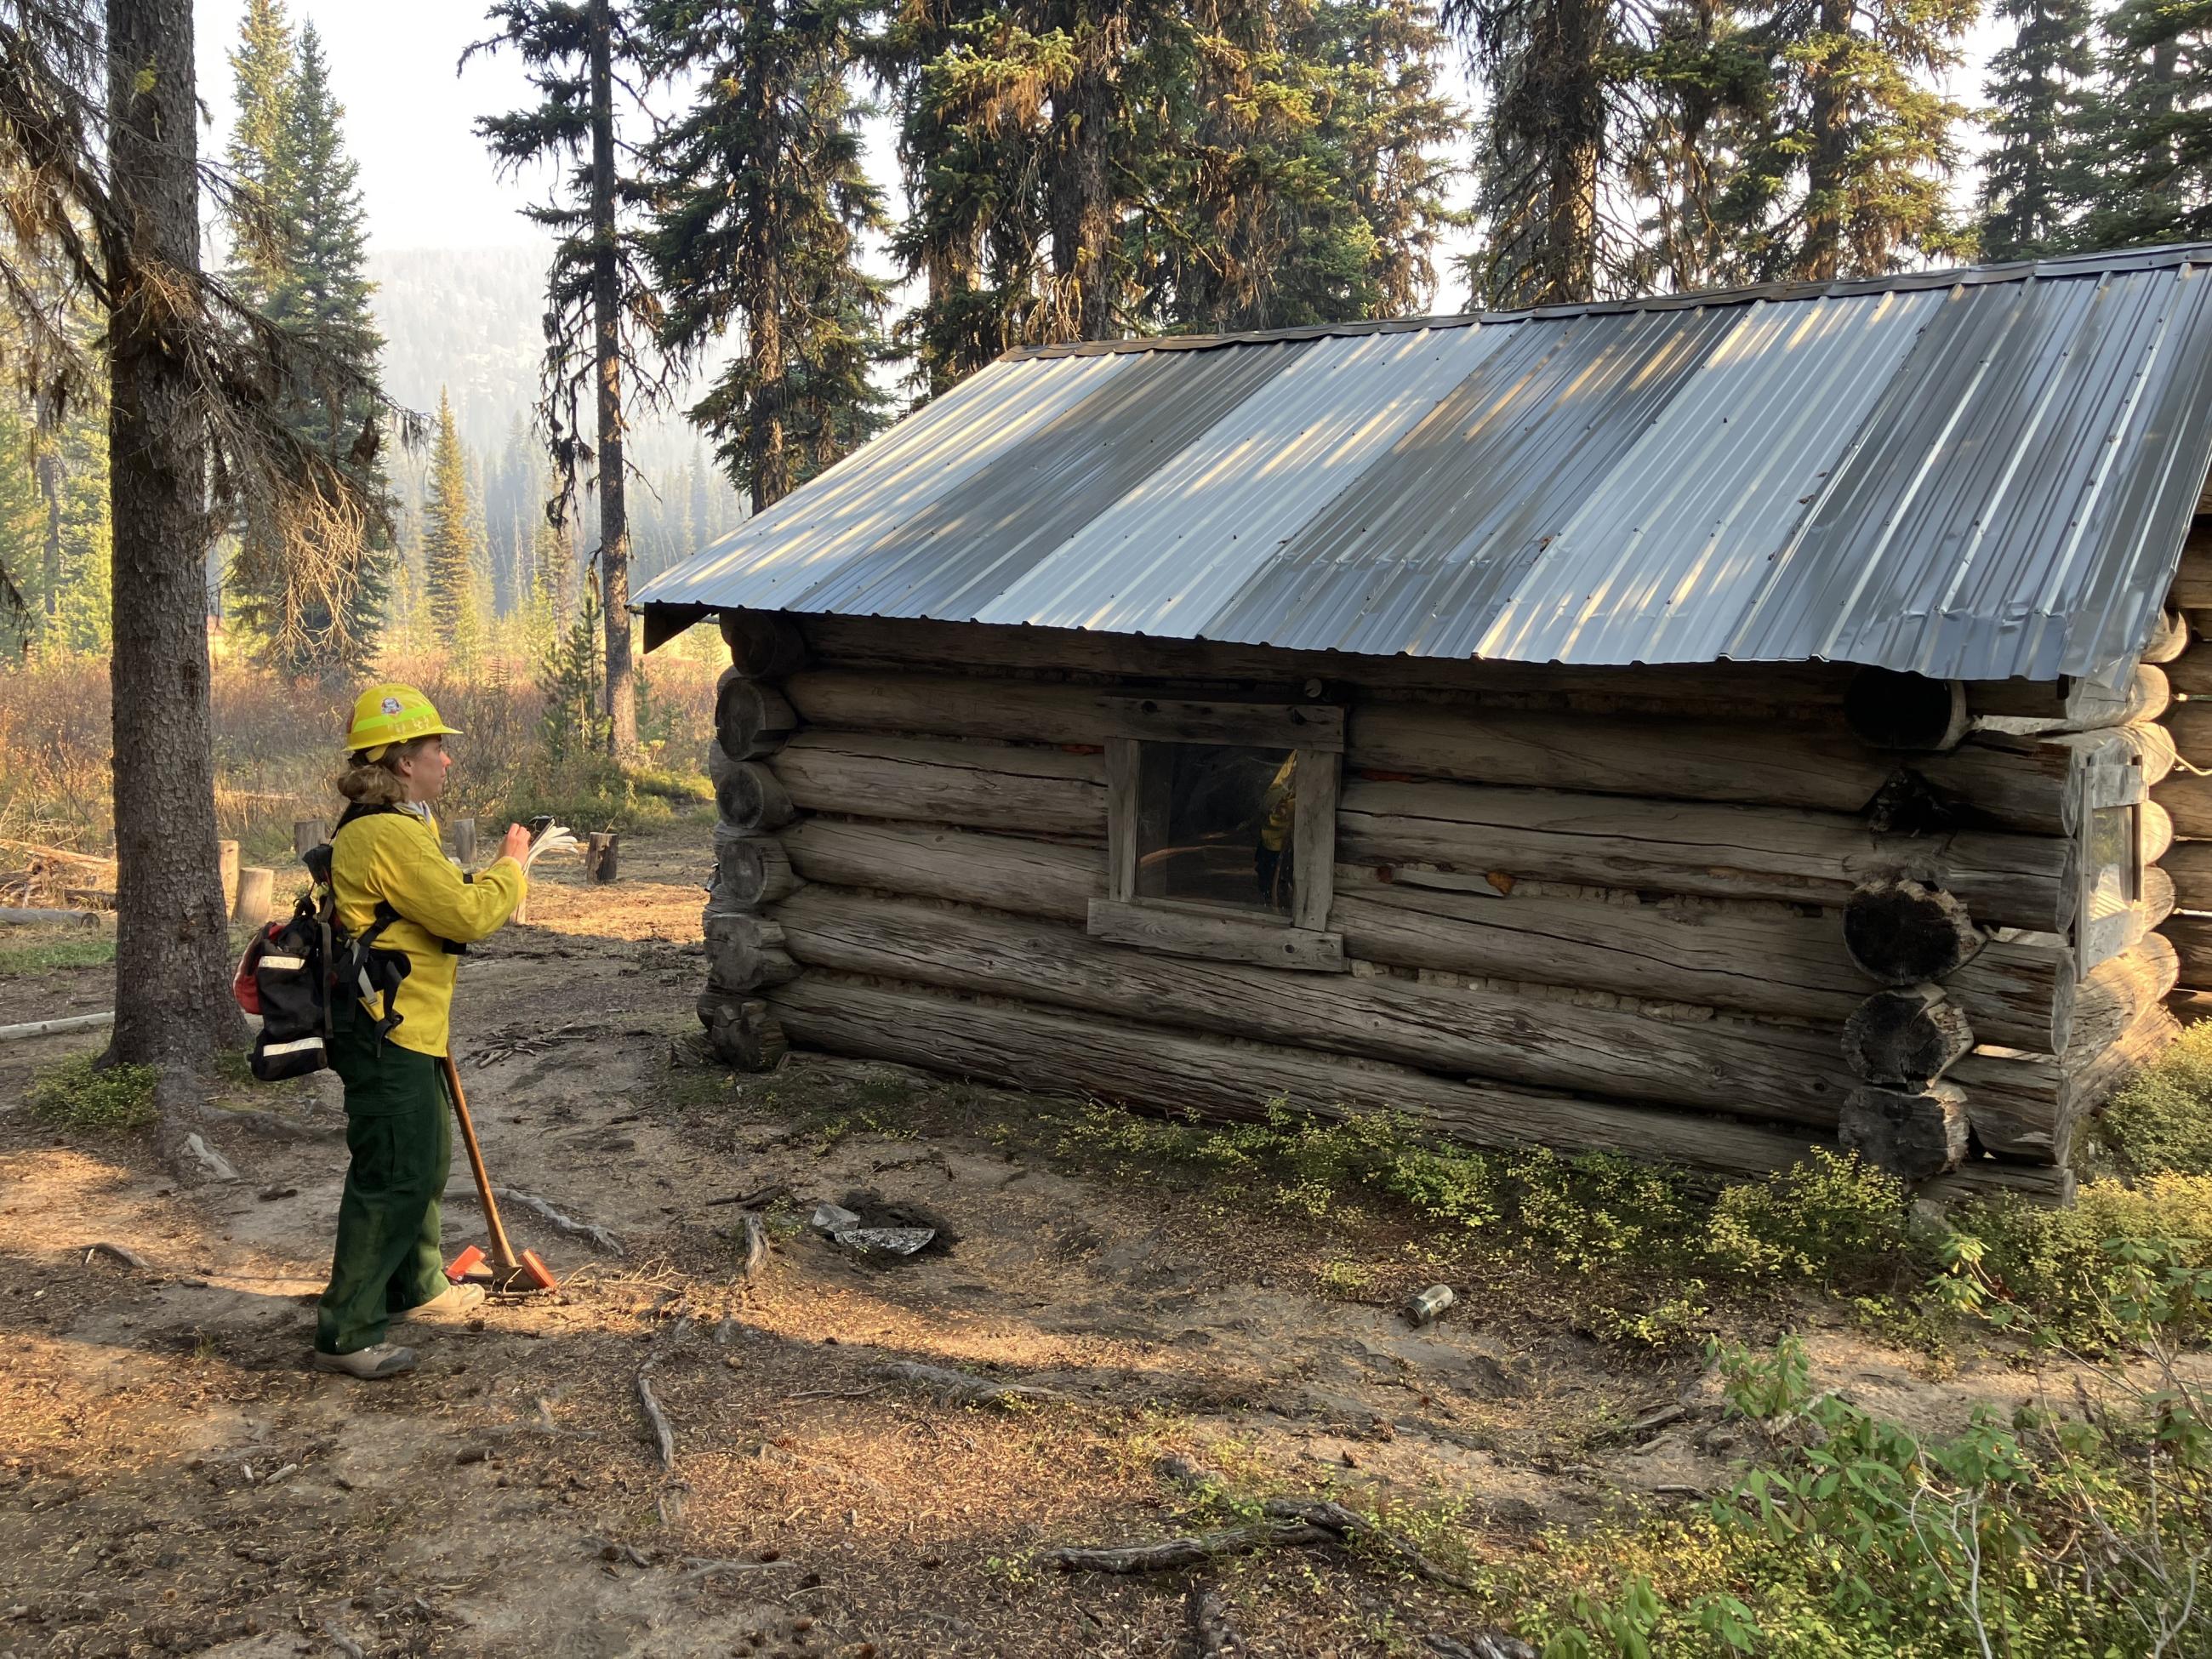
(79,948)
(2161,1117)
(1830,1218)
(80,1094)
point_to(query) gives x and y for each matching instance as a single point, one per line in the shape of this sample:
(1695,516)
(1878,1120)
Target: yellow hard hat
(389,714)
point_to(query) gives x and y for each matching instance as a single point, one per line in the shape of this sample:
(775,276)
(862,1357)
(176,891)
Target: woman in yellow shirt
(387,864)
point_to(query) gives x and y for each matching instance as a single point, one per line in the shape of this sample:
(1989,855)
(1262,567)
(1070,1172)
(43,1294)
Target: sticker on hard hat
(392,705)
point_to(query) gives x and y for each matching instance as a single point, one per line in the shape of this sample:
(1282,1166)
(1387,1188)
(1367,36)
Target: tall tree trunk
(1569,275)
(1820,259)
(48,467)
(769,461)
(173,1007)
(1082,197)
(606,331)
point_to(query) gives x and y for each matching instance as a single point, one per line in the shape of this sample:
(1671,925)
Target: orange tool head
(462,1265)
(535,1275)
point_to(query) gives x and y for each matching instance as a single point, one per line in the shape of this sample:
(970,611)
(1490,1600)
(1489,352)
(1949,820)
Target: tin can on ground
(1423,1306)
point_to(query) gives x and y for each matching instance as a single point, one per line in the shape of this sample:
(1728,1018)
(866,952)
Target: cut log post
(1911,1133)
(1788,1072)
(226,863)
(602,855)
(2113,996)
(1730,852)
(1903,933)
(764,645)
(750,873)
(2062,705)
(1909,1036)
(2036,784)
(2168,639)
(464,832)
(256,889)
(1027,1047)
(1021,787)
(307,834)
(750,720)
(1888,709)
(2190,932)
(742,1032)
(745,953)
(747,794)
(2027,1106)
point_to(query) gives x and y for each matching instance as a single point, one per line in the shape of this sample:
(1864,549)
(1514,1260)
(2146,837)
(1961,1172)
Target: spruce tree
(1704,87)
(763,201)
(600,306)
(263,65)
(2037,92)
(449,543)
(2143,147)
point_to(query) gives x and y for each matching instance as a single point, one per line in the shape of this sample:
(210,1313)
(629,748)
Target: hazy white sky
(424,174)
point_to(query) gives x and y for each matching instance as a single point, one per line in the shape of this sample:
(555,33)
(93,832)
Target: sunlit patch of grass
(49,953)
(80,1095)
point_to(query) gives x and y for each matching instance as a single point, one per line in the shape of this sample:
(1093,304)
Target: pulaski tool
(503,1271)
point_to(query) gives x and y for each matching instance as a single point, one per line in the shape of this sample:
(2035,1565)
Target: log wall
(1714,915)
(2183,651)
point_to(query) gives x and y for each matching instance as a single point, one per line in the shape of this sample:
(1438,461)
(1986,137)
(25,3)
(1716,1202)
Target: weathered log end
(750,720)
(1912,1133)
(1906,932)
(750,797)
(764,644)
(745,953)
(750,873)
(1888,709)
(1911,1035)
(742,1033)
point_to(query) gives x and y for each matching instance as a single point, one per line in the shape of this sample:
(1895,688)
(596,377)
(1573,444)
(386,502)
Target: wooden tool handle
(502,1253)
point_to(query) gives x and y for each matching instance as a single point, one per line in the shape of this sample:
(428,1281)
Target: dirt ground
(173,1480)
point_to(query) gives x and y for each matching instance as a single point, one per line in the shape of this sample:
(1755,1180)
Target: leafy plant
(81,1094)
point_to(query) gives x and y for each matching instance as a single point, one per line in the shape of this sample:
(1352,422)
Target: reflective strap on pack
(298,1047)
(293,962)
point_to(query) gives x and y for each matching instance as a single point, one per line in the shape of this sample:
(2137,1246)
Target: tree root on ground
(1195,1549)
(1212,1634)
(961,1387)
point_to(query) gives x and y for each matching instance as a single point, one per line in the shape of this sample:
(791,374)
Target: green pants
(400,1134)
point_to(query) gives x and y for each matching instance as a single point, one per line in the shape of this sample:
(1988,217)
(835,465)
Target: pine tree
(2144,142)
(449,549)
(263,66)
(764,200)
(600,308)
(2037,92)
(1852,167)
(1706,83)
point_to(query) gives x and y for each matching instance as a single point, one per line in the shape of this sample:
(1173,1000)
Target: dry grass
(276,743)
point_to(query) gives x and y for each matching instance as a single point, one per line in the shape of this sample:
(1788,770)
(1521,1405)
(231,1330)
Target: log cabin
(1697,728)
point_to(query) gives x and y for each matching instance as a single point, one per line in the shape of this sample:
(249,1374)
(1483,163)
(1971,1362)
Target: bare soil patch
(173,1480)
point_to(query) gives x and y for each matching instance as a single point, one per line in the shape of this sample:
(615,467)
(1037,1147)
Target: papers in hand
(554,838)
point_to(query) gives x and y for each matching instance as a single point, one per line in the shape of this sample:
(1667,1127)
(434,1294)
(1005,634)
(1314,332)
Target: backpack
(308,977)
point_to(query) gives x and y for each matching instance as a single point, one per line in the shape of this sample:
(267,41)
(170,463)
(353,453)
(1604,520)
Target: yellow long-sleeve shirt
(395,857)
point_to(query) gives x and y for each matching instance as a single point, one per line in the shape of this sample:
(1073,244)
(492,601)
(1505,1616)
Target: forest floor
(172,1478)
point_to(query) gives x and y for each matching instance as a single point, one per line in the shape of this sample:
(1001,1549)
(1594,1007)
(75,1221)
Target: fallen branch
(664,1435)
(1488,1643)
(754,1201)
(698,1567)
(38,1028)
(590,1231)
(1347,1524)
(211,1163)
(345,1644)
(959,1386)
(128,1257)
(1211,1633)
(35,915)
(1192,1551)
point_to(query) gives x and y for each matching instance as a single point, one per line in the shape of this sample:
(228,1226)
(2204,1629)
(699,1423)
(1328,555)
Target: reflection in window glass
(2115,860)
(1214,825)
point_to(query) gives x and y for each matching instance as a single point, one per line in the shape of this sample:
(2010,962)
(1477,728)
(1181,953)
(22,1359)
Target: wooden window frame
(1314,732)
(2107,785)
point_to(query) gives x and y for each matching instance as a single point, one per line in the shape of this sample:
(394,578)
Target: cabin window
(1221,831)
(2115,859)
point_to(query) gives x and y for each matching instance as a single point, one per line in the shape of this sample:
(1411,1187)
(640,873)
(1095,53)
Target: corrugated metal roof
(1979,474)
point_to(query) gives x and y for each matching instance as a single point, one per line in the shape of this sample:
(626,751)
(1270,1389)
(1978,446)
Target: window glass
(1214,825)
(2115,860)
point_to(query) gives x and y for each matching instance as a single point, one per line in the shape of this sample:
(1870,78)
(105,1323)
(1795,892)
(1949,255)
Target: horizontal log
(2192,581)
(742,1031)
(2169,638)
(2190,674)
(2187,798)
(2078,705)
(2112,996)
(2190,932)
(2189,1007)
(747,794)
(1987,1178)
(1904,933)
(1000,872)
(2027,1105)
(745,952)
(2157,832)
(1737,689)
(2189,864)
(1730,852)
(1024,1046)
(35,915)
(752,872)
(995,786)
(764,645)
(1791,1073)
(1191,931)
(1888,709)
(2191,725)
(750,720)
(1906,1036)
(2036,784)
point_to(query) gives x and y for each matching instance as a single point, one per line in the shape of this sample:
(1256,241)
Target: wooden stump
(745,953)
(226,863)
(600,855)
(465,841)
(750,873)
(764,644)
(1891,710)
(742,1032)
(1914,1134)
(256,889)
(1903,932)
(1912,1035)
(749,796)
(750,720)
(307,834)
